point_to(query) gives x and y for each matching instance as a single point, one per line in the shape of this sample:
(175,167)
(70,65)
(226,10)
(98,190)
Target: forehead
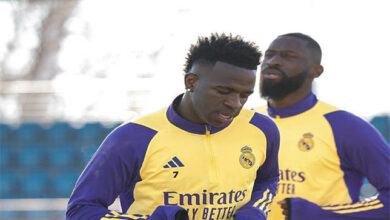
(289,44)
(224,74)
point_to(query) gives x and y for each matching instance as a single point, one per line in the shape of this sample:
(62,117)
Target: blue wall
(39,161)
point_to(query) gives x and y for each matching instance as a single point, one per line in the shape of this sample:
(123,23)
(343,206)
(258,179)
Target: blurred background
(72,70)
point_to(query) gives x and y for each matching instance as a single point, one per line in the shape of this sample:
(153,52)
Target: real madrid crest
(306,143)
(247,159)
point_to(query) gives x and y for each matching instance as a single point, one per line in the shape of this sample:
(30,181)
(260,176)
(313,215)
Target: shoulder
(351,130)
(339,117)
(129,129)
(346,120)
(135,133)
(265,124)
(255,118)
(324,108)
(154,120)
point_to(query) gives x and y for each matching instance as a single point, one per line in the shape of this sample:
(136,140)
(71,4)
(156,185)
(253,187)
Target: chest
(306,142)
(224,158)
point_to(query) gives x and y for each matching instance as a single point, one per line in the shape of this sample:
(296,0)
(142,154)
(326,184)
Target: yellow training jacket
(164,160)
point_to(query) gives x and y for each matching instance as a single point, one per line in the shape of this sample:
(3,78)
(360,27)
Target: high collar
(189,126)
(295,109)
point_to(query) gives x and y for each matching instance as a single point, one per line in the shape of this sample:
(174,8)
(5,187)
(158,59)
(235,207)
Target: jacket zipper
(213,169)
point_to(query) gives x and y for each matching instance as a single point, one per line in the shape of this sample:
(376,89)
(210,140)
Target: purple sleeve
(112,171)
(267,178)
(363,153)
(303,209)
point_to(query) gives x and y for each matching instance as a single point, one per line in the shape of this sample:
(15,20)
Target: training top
(162,163)
(324,155)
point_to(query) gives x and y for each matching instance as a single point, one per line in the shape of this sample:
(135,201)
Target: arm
(363,152)
(372,209)
(113,171)
(266,182)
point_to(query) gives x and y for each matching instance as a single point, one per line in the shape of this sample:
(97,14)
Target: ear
(190,81)
(317,70)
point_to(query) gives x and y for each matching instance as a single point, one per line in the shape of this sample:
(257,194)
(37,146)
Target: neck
(291,98)
(185,109)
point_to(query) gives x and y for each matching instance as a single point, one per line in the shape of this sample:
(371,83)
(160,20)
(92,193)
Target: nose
(234,102)
(273,61)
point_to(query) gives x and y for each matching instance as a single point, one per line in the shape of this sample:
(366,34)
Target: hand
(181,215)
(285,205)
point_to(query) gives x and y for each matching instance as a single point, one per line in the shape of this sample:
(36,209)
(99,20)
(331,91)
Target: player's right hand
(285,205)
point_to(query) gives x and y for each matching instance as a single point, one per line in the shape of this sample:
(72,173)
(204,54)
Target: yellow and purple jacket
(162,163)
(324,155)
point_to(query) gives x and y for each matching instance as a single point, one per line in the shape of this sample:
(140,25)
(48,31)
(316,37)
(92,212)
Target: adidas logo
(175,162)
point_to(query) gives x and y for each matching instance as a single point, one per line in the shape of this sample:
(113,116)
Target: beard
(279,90)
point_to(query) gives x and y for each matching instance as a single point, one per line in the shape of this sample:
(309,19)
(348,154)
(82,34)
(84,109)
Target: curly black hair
(225,48)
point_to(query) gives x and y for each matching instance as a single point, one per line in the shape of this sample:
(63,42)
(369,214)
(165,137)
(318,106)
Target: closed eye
(288,54)
(223,91)
(268,54)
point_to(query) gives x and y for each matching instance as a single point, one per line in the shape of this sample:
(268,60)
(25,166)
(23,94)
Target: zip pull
(207,129)
(210,151)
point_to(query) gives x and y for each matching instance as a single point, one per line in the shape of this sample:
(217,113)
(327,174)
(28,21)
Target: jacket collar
(295,109)
(189,126)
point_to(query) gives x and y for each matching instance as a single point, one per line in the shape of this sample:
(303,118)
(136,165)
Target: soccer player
(203,157)
(324,152)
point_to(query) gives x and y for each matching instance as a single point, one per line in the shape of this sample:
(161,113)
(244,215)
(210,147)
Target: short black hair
(311,43)
(225,48)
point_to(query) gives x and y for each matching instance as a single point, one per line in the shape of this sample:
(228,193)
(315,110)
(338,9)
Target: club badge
(247,159)
(306,143)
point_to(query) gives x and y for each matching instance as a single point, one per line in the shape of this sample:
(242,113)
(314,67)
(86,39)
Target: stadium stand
(9,215)
(59,132)
(63,182)
(6,155)
(32,215)
(7,133)
(382,123)
(63,155)
(31,155)
(8,184)
(29,132)
(44,161)
(34,184)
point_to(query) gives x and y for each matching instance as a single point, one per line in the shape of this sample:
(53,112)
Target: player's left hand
(285,205)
